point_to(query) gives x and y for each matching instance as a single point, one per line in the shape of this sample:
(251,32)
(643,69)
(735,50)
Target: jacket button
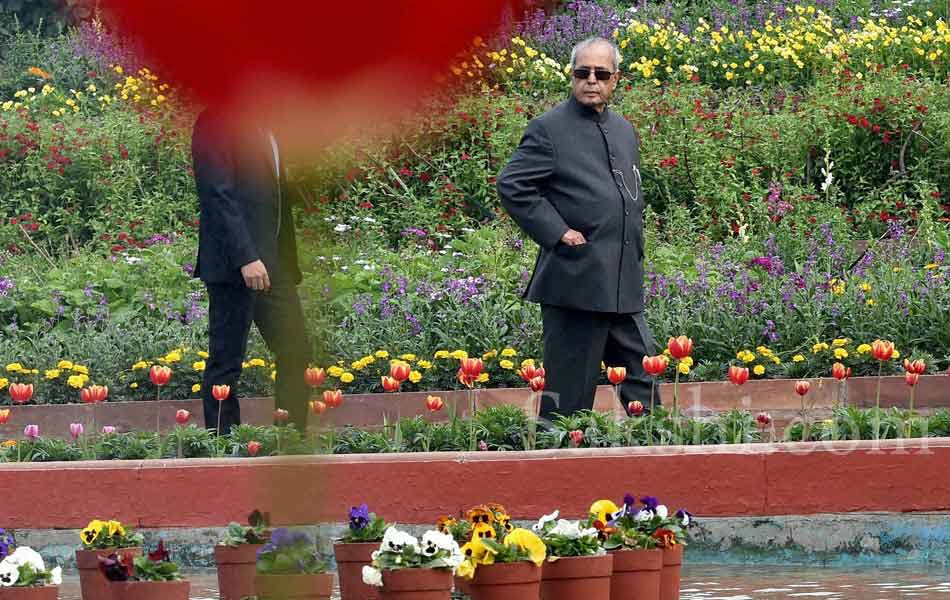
(626,212)
(626,242)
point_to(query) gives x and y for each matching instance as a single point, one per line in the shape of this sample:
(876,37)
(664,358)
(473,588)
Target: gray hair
(593,41)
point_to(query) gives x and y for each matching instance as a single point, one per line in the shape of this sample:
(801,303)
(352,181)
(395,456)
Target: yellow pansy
(603,509)
(466,569)
(865,287)
(819,347)
(53,373)
(415,376)
(870,302)
(509,352)
(173,356)
(64,364)
(506,364)
(347,377)
(196,388)
(92,531)
(115,528)
(896,354)
(798,358)
(198,365)
(758,370)
(528,542)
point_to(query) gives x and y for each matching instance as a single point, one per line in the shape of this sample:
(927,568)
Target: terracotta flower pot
(237,567)
(636,575)
(670,579)
(350,560)
(40,592)
(294,587)
(92,582)
(416,584)
(462,585)
(577,578)
(508,581)
(148,590)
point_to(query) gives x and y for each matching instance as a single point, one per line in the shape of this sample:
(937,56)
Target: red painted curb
(752,479)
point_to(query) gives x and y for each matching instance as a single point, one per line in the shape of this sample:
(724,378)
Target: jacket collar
(588,112)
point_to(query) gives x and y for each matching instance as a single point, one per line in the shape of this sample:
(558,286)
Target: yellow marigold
(381,354)
(173,356)
(334,371)
(896,354)
(509,352)
(139,365)
(424,364)
(841,353)
(688,361)
(864,348)
(442,354)
(529,362)
(408,357)
(759,370)
(14,368)
(357,365)
(196,388)
(489,355)
(53,373)
(202,354)
(134,386)
(482,378)
(415,376)
(4,382)
(506,364)
(870,302)
(8,443)
(838,342)
(776,360)
(258,362)
(459,354)
(865,287)
(66,365)
(198,365)
(931,266)
(683,368)
(819,347)
(347,377)
(273,375)
(798,358)
(76,381)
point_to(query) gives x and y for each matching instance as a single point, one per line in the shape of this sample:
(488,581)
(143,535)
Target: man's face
(591,91)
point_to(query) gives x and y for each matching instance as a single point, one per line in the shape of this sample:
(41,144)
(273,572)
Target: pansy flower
(359,516)
(480,514)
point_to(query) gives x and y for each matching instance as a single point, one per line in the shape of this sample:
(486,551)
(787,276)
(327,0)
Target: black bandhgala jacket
(245,207)
(580,169)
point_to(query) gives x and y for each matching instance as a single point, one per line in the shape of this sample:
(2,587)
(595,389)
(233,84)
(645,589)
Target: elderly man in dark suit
(247,258)
(573,185)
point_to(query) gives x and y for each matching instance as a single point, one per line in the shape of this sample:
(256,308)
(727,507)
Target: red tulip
(94,394)
(315,376)
(882,350)
(160,375)
(465,379)
(577,436)
(616,375)
(537,384)
(253,448)
(21,393)
(911,379)
(434,403)
(281,416)
(763,419)
(655,365)
(635,408)
(333,398)
(918,366)
(182,416)
(738,375)
(802,387)
(4,415)
(529,372)
(220,392)
(317,407)
(399,371)
(472,367)
(840,372)
(680,347)
(390,384)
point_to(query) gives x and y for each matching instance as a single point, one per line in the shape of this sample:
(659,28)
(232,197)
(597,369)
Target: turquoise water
(710,582)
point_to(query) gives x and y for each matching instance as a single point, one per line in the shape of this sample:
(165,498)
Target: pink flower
(108,429)
(31,431)
(482,445)
(75,430)
(577,437)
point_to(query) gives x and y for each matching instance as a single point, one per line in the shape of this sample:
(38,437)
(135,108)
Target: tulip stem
(877,402)
(652,407)
(910,414)
(471,419)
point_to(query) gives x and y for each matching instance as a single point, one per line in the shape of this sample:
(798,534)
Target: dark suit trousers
(575,343)
(279,318)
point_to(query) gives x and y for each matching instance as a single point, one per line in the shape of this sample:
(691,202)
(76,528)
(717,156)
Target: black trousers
(279,318)
(575,343)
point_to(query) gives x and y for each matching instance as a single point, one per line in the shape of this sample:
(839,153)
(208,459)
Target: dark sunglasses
(600,74)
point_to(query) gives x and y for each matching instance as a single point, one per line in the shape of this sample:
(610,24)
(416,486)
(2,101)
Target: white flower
(568,529)
(643,515)
(321,258)
(337,258)
(372,576)
(662,511)
(685,520)
(544,521)
(354,218)
(434,541)
(395,541)
(24,555)
(369,220)
(9,572)
(132,259)
(341,228)
(368,267)
(56,576)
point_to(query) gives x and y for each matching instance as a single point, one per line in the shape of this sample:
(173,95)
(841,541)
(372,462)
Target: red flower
(680,347)
(882,350)
(529,372)
(911,379)
(317,407)
(21,393)
(918,367)
(577,437)
(537,384)
(763,419)
(160,554)
(655,365)
(738,375)
(669,163)
(94,394)
(315,376)
(434,403)
(160,375)
(616,375)
(802,387)
(840,372)
(4,415)
(864,123)
(281,416)
(253,447)
(390,384)
(220,392)
(472,367)
(399,370)
(182,416)
(333,398)
(465,156)
(635,408)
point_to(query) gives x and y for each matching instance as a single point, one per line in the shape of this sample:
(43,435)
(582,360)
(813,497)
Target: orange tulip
(680,347)
(472,367)
(317,407)
(281,416)
(635,408)
(882,350)
(802,387)
(21,392)
(738,375)
(537,384)
(399,370)
(529,372)
(220,392)
(182,416)
(253,447)
(840,372)
(333,398)
(465,379)
(4,415)
(655,365)
(390,384)
(911,378)
(434,403)
(616,375)
(315,376)
(160,375)
(918,366)
(94,394)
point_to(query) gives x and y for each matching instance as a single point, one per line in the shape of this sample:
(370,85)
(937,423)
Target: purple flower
(629,501)
(6,286)
(685,517)
(7,543)
(31,432)
(650,503)
(359,516)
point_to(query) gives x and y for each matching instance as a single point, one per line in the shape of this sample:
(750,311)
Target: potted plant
(102,538)
(236,556)
(23,574)
(288,567)
(405,568)
(577,565)
(150,577)
(461,532)
(354,550)
(638,563)
(501,562)
(669,533)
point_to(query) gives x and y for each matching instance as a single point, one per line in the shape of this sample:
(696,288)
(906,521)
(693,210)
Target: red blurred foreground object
(312,63)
